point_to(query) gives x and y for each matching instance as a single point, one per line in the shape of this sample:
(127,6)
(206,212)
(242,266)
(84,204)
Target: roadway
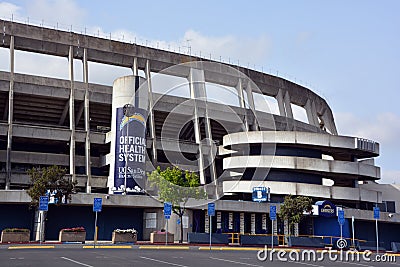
(70,256)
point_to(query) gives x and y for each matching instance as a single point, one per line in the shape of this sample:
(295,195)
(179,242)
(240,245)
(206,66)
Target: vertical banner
(130,151)
(230,221)
(242,223)
(264,222)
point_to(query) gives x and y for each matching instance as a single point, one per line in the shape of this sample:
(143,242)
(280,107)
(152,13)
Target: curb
(30,247)
(165,247)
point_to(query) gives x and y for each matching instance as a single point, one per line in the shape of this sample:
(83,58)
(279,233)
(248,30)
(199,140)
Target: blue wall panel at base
(110,218)
(325,226)
(16,216)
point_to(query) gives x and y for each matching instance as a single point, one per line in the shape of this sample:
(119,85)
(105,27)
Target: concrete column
(39,226)
(242,103)
(199,97)
(135,68)
(281,105)
(10,116)
(288,107)
(250,99)
(71,114)
(311,113)
(88,163)
(329,122)
(152,124)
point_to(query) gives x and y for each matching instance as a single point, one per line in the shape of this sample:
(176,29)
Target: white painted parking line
(77,262)
(236,262)
(358,264)
(165,262)
(304,263)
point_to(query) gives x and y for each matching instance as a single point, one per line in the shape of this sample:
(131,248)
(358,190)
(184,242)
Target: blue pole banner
(130,151)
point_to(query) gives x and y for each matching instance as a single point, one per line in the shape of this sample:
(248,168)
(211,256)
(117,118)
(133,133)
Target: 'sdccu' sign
(326,208)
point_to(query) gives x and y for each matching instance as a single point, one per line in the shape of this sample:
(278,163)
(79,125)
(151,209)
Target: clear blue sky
(349,51)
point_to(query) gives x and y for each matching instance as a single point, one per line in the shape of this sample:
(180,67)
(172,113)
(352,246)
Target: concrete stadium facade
(47,121)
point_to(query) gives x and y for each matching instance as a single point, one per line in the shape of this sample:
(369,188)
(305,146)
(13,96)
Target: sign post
(272,216)
(376,217)
(43,206)
(341,222)
(97,204)
(167,215)
(211,212)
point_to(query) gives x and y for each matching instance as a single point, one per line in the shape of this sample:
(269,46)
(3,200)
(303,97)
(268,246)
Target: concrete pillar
(311,113)
(242,103)
(10,116)
(288,107)
(329,122)
(242,223)
(88,163)
(281,105)
(151,115)
(135,68)
(71,114)
(39,226)
(250,99)
(199,97)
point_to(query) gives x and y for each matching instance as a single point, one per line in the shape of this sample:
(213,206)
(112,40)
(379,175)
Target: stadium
(234,146)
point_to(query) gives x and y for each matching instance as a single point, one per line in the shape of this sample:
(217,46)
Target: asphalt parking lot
(157,256)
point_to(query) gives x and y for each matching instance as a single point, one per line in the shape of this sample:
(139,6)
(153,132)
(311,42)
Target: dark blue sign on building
(326,208)
(130,151)
(260,194)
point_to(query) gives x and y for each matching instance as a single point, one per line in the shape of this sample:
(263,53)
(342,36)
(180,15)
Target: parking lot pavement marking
(304,263)
(236,262)
(231,249)
(77,262)
(164,262)
(28,247)
(358,264)
(165,247)
(107,247)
